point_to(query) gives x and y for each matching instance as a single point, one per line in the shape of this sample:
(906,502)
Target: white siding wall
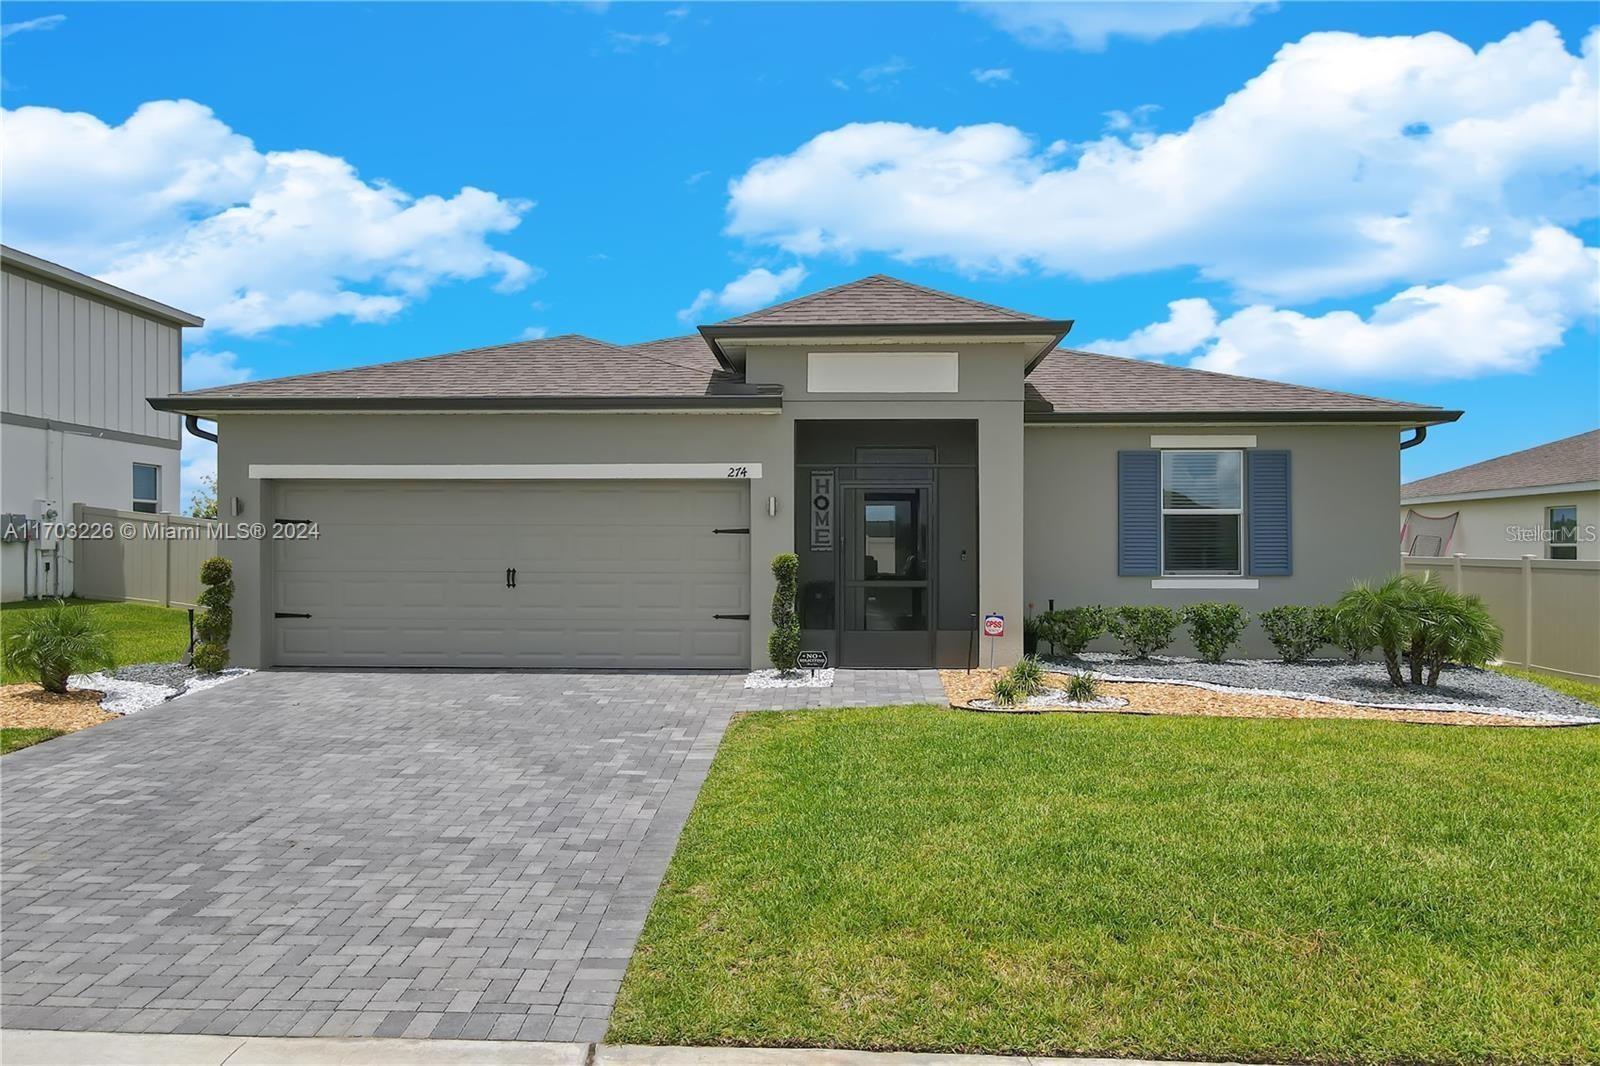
(69,357)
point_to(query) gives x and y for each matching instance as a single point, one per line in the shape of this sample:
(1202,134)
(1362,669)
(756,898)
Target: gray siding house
(79,358)
(931,459)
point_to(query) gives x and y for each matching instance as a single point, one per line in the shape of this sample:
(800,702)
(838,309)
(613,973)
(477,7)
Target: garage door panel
(624,574)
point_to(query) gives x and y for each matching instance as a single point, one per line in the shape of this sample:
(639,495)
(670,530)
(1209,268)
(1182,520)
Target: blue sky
(1396,199)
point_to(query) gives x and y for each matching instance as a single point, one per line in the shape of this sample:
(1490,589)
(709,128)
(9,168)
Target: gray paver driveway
(345,854)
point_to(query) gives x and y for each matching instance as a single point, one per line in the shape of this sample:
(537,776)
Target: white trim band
(507,471)
(1202,440)
(1205,583)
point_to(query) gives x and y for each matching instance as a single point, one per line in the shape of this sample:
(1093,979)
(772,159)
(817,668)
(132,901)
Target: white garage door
(607,574)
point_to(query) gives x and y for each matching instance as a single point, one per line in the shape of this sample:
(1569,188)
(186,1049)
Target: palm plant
(1381,616)
(1461,630)
(56,642)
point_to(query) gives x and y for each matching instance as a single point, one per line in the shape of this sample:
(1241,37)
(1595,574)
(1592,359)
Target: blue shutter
(1139,513)
(1267,514)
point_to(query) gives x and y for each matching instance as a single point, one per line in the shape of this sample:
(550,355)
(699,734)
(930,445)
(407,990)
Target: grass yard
(142,632)
(1327,891)
(12,739)
(1587,691)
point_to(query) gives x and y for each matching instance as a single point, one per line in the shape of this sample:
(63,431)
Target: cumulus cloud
(992,75)
(752,289)
(1496,322)
(1349,164)
(1088,27)
(203,370)
(632,42)
(174,204)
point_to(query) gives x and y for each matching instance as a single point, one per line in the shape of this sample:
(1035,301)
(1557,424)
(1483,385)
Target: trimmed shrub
(1070,630)
(783,645)
(1142,630)
(1297,631)
(1083,687)
(56,642)
(215,624)
(1214,627)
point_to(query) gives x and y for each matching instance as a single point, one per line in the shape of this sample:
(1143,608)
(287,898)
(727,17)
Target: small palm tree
(1462,631)
(57,642)
(1381,616)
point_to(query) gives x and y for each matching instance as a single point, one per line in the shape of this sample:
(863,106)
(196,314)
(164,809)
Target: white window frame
(155,503)
(1550,530)
(1161,543)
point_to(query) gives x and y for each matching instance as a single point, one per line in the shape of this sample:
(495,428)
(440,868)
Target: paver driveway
(397,854)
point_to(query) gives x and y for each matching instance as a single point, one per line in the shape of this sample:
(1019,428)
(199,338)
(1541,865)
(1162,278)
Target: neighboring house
(572,503)
(1543,501)
(79,358)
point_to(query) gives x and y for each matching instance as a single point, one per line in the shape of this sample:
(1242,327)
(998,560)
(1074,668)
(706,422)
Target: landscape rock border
(794,679)
(130,689)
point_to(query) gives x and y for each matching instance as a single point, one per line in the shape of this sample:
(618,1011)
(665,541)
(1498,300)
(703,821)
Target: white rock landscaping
(793,679)
(130,689)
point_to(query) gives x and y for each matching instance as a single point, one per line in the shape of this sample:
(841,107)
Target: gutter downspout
(192,423)
(1420,431)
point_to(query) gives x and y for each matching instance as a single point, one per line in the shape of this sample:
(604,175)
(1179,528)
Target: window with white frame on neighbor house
(146,488)
(1562,541)
(1202,513)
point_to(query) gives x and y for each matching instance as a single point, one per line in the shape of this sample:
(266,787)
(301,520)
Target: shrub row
(1405,617)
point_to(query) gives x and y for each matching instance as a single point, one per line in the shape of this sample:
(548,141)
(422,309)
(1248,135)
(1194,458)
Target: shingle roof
(1570,461)
(564,367)
(878,300)
(689,351)
(1083,386)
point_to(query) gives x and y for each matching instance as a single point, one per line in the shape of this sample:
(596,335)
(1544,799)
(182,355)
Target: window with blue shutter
(1271,542)
(1139,513)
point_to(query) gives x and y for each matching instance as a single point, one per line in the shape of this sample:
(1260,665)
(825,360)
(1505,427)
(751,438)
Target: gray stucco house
(932,459)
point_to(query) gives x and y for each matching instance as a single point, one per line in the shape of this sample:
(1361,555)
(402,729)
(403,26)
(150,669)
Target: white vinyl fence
(158,563)
(1549,608)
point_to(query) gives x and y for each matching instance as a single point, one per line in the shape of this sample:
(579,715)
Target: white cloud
(887,70)
(697,177)
(992,75)
(1497,322)
(631,42)
(1190,323)
(203,370)
(45,22)
(752,289)
(1348,165)
(174,204)
(1087,27)
(533,333)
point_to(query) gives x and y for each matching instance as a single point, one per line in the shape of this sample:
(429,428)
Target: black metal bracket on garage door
(744,529)
(732,617)
(288,614)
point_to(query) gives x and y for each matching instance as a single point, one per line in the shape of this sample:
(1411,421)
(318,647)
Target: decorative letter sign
(822,510)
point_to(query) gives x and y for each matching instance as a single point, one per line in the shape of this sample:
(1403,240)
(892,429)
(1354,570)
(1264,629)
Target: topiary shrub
(56,642)
(783,644)
(1070,630)
(215,624)
(1214,627)
(1297,631)
(1142,630)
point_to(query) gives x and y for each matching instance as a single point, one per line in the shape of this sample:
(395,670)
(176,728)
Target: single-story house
(932,460)
(1542,501)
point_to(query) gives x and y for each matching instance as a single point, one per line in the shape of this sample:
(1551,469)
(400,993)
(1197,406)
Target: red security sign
(994,625)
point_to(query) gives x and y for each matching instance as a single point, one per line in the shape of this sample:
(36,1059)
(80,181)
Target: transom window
(1562,522)
(1202,513)
(146,488)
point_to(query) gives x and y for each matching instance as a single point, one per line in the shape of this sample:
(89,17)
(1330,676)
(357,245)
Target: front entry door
(889,591)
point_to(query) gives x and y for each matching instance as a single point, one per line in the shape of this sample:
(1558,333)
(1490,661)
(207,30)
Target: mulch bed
(1154,698)
(27,706)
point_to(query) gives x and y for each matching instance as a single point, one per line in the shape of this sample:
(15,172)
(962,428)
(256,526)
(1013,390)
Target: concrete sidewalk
(38,1047)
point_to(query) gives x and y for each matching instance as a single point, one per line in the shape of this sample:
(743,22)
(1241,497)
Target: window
(1562,522)
(146,488)
(1202,513)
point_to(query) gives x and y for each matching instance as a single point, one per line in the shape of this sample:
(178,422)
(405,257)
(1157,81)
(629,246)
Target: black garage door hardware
(737,617)
(288,614)
(745,529)
(511,577)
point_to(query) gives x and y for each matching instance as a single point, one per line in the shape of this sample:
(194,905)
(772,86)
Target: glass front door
(888,584)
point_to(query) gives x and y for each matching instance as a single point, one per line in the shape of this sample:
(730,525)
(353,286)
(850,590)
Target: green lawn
(142,633)
(1587,691)
(12,739)
(1327,891)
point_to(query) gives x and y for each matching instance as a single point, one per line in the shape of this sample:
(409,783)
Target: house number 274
(738,471)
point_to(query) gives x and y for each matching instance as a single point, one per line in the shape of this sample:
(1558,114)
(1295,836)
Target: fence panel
(159,564)
(1549,608)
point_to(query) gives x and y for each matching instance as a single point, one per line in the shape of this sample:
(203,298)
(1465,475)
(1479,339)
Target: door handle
(508,577)
(511,575)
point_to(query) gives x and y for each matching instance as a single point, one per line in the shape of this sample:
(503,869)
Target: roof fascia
(57,274)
